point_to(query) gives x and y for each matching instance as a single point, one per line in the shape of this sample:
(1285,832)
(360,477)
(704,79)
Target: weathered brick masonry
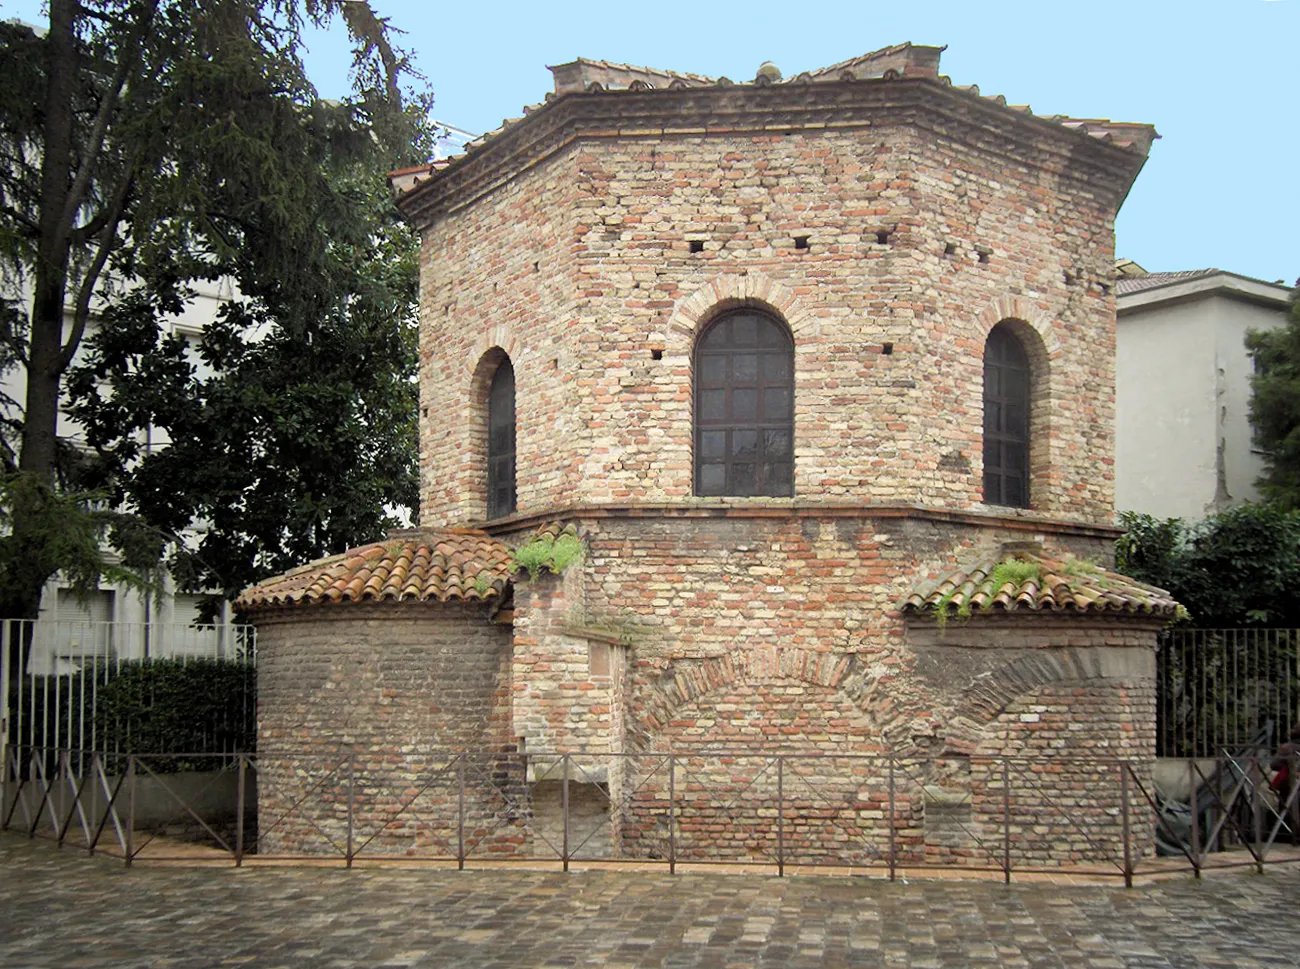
(376,700)
(889,222)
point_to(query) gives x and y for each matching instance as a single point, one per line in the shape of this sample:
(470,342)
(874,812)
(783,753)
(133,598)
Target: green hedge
(158,706)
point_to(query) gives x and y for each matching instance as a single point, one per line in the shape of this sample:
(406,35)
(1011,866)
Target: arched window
(744,407)
(501,442)
(1006,419)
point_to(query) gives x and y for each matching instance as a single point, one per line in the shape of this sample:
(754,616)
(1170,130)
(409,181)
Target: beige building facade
(1184,446)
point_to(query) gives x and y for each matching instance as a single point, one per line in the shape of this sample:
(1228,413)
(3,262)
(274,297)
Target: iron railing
(57,679)
(1219,689)
(888,814)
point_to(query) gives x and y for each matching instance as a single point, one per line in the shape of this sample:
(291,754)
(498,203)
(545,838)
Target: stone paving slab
(63,909)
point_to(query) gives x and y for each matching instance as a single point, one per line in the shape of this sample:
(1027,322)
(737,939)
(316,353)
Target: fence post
(5,648)
(892,850)
(1124,826)
(352,796)
(672,819)
(564,809)
(1196,817)
(130,809)
(240,795)
(460,811)
(780,816)
(1006,823)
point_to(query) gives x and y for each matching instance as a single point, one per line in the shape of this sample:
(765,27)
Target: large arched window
(744,407)
(1006,419)
(501,442)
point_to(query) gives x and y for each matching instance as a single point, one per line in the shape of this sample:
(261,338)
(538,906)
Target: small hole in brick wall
(1105,289)
(656,354)
(424,411)
(882,237)
(887,348)
(801,242)
(950,249)
(1068,277)
(555,363)
(697,245)
(446,310)
(983,255)
(537,267)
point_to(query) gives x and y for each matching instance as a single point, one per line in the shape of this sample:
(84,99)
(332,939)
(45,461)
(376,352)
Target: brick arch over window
(688,681)
(984,702)
(1016,407)
(492,462)
(733,291)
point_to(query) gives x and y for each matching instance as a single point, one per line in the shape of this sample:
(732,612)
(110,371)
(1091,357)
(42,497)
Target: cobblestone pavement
(65,910)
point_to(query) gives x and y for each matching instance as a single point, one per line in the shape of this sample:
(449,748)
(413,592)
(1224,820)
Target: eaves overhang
(1105,152)
(1184,289)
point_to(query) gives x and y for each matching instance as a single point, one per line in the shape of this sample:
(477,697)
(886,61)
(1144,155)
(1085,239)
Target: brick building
(821,370)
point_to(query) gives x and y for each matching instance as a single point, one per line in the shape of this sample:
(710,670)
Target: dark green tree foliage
(1238,568)
(146,146)
(1275,405)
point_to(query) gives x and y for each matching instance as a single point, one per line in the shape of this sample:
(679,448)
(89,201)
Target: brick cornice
(798,510)
(920,103)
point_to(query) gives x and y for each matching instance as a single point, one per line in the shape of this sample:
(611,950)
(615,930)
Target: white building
(116,620)
(1184,446)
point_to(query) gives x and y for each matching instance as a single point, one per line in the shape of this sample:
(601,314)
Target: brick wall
(377,701)
(782,634)
(579,266)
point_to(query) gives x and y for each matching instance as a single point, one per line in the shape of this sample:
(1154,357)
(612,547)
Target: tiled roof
(1040,584)
(900,60)
(417,565)
(1136,284)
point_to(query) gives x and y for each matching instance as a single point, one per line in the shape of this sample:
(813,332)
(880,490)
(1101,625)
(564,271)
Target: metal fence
(84,686)
(882,814)
(1226,689)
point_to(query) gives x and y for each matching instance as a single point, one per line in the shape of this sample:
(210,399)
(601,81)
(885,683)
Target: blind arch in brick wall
(986,700)
(688,681)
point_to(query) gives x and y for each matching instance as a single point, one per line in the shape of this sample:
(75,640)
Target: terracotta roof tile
(1040,584)
(419,565)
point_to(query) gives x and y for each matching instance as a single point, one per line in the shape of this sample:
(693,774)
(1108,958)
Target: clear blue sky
(1220,81)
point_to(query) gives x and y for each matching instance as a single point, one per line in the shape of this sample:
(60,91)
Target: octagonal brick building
(820,369)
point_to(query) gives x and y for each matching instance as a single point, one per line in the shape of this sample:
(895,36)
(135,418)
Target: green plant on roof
(547,552)
(945,600)
(1078,568)
(483,582)
(1016,572)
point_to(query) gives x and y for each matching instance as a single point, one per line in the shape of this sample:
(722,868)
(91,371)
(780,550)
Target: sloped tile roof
(417,565)
(1055,585)
(1136,284)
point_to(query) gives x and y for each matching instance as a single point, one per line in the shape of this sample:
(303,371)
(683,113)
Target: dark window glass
(744,407)
(1006,420)
(501,442)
